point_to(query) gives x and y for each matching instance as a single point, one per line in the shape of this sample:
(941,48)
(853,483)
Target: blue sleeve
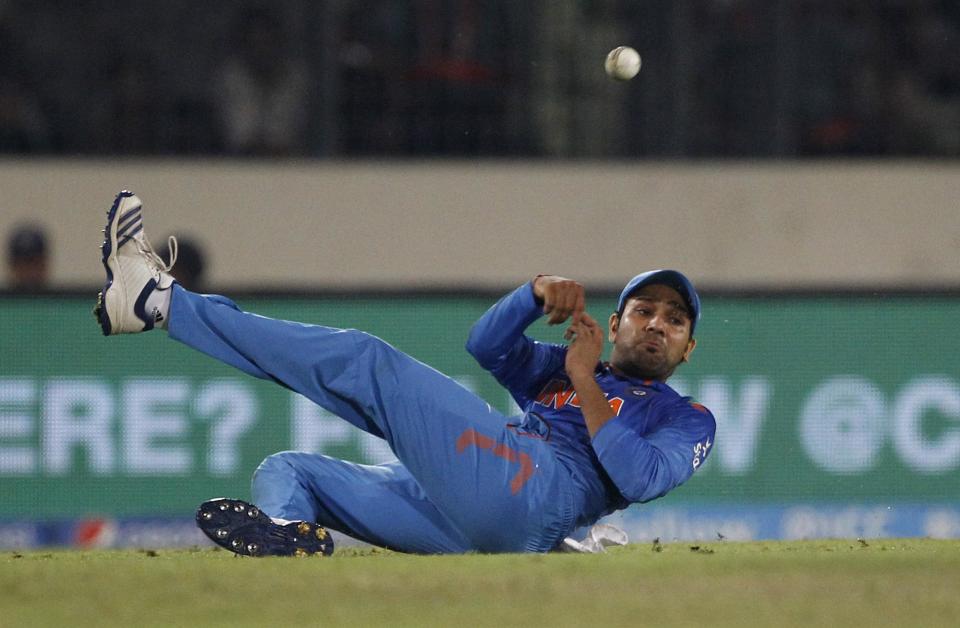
(497,342)
(648,466)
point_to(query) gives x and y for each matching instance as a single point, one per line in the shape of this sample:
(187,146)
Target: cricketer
(594,437)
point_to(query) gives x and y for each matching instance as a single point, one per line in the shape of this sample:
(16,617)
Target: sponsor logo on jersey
(700,451)
(559,393)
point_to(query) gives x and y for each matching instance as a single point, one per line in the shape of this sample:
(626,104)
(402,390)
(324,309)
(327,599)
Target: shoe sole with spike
(242,528)
(108,255)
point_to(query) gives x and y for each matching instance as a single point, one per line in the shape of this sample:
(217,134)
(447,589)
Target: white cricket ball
(622,63)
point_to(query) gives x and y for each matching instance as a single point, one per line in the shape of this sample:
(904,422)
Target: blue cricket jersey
(654,444)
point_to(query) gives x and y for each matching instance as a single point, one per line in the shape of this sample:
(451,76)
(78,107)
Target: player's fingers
(549,308)
(553,304)
(578,329)
(575,298)
(557,316)
(565,299)
(590,329)
(579,306)
(567,304)
(548,300)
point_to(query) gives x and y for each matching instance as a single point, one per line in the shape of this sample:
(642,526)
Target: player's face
(652,336)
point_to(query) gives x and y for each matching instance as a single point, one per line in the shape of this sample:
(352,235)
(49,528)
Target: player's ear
(613,326)
(691,345)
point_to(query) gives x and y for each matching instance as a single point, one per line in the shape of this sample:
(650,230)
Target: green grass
(892,582)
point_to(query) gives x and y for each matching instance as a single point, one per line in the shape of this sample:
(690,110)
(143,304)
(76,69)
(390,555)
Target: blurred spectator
(371,58)
(23,126)
(193,129)
(879,78)
(737,86)
(191,263)
(135,105)
(27,258)
(262,89)
(842,86)
(926,90)
(460,77)
(577,109)
(481,77)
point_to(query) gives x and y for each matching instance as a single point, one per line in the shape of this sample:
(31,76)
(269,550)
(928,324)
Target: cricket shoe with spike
(134,270)
(243,529)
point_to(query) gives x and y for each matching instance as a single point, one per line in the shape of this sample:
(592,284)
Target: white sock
(158,304)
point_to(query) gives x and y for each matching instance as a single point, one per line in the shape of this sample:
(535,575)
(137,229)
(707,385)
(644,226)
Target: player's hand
(561,298)
(586,345)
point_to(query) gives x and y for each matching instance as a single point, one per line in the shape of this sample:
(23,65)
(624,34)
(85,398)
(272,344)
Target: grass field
(818,583)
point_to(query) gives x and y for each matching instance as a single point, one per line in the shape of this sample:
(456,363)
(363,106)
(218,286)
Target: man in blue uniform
(594,436)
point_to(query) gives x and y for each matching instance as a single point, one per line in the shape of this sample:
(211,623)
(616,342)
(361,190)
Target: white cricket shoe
(134,270)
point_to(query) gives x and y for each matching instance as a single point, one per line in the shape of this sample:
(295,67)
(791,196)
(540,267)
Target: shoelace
(143,245)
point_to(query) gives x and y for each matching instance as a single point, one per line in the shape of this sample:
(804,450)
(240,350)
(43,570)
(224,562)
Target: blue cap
(673,278)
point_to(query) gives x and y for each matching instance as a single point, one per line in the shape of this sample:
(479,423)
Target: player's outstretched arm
(498,344)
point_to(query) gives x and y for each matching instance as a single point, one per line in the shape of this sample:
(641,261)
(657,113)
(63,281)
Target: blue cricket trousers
(464,481)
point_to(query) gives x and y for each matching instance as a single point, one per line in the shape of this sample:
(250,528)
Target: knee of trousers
(307,469)
(289,464)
